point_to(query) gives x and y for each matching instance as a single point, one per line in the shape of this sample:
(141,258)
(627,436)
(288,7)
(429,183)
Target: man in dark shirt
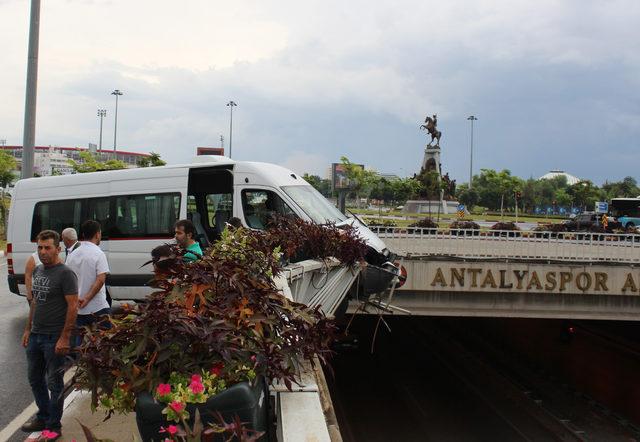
(47,335)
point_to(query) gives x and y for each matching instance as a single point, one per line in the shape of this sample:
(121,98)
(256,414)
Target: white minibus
(138,208)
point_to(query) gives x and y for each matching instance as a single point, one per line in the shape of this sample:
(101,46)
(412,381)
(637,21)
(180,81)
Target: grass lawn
(3,244)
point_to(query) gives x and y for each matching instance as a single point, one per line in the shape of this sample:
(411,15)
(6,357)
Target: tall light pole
(472,119)
(101,113)
(29,135)
(231,105)
(117,93)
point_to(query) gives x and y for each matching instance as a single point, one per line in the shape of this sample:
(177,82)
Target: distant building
(571,180)
(388,176)
(48,160)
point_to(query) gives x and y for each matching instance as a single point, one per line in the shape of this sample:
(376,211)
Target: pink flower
(163,389)
(196,387)
(177,406)
(196,378)
(253,358)
(171,429)
(48,434)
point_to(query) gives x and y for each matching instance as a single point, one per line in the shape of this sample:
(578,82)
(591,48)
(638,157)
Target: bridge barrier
(508,244)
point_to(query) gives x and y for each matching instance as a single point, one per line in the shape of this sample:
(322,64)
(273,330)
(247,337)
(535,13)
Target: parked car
(589,221)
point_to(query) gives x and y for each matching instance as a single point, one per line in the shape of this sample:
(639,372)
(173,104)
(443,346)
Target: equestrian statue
(431,127)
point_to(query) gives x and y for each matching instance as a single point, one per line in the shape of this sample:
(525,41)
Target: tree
(627,188)
(528,198)
(468,197)
(492,187)
(8,166)
(362,180)
(562,198)
(430,184)
(153,160)
(91,164)
(321,185)
(404,189)
(584,194)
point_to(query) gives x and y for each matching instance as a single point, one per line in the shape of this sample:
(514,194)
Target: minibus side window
(261,206)
(98,210)
(56,215)
(144,216)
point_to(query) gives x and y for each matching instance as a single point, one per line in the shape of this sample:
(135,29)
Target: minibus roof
(261,172)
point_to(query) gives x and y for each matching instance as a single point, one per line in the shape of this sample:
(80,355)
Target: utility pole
(29,134)
(117,93)
(222,141)
(101,113)
(472,119)
(231,105)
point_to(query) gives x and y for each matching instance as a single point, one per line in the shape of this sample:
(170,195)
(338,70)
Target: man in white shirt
(90,265)
(70,240)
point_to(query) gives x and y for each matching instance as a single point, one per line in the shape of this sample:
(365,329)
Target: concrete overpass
(517,274)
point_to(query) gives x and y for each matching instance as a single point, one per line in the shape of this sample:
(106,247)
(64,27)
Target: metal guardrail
(505,244)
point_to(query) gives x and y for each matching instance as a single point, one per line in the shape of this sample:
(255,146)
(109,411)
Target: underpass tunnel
(483,378)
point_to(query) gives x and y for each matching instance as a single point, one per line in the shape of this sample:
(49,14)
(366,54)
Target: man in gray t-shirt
(50,286)
(47,335)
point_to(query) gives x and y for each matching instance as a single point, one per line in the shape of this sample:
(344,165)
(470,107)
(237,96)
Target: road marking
(32,409)
(16,423)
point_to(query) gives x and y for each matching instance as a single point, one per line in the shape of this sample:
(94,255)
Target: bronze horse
(431,128)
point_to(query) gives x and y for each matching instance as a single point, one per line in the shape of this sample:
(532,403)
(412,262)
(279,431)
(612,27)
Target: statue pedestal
(431,159)
(431,206)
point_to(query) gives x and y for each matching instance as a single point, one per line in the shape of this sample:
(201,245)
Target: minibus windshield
(316,206)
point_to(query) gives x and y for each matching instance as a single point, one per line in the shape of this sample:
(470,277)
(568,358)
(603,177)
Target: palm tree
(155,160)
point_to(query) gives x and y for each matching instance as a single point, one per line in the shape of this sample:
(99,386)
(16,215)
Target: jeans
(45,372)
(84,320)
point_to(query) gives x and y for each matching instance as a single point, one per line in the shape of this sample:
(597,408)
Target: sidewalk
(305,413)
(78,410)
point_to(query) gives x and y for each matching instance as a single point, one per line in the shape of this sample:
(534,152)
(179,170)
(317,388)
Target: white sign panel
(602,207)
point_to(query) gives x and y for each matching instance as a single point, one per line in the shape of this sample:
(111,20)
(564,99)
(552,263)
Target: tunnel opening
(454,378)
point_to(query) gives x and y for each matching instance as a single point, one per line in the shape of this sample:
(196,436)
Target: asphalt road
(15,392)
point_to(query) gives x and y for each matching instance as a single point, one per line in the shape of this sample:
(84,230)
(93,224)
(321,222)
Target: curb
(15,432)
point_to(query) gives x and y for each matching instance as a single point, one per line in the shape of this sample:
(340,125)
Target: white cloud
(304,162)
(328,76)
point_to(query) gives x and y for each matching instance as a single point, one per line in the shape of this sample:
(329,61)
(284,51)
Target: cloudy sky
(553,83)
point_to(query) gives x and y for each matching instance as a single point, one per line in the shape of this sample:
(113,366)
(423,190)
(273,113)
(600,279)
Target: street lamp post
(29,135)
(117,93)
(101,113)
(231,105)
(472,119)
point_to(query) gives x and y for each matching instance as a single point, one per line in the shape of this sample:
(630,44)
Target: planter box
(249,402)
